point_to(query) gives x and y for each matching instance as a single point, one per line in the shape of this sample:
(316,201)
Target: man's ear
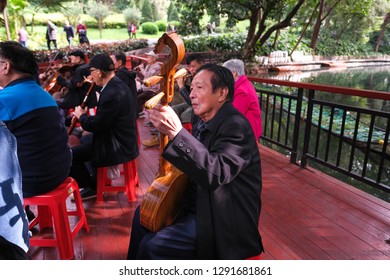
(223,92)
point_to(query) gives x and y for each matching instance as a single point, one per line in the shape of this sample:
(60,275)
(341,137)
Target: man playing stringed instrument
(76,86)
(221,208)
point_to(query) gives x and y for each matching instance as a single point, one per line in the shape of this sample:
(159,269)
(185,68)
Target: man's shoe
(87,194)
(154,141)
(30,214)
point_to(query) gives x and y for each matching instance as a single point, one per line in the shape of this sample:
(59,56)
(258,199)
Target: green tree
(172,13)
(190,13)
(386,21)
(146,12)
(132,14)
(14,17)
(99,11)
(262,23)
(72,12)
(154,11)
(121,5)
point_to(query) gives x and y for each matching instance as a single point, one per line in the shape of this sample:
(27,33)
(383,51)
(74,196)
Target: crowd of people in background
(51,34)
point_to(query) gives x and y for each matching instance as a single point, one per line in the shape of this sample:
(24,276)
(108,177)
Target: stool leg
(101,181)
(80,209)
(62,231)
(134,170)
(130,181)
(44,217)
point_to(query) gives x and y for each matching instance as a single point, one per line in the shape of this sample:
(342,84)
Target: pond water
(370,77)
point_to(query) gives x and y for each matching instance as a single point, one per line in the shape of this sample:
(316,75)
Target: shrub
(162,25)
(115,21)
(149,28)
(175,23)
(225,42)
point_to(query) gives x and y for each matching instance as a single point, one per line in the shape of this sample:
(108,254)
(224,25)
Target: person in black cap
(77,87)
(113,127)
(119,59)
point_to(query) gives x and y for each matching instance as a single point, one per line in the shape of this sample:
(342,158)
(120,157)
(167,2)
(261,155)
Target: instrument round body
(163,200)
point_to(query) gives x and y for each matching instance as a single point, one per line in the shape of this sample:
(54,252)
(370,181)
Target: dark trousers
(142,97)
(54,43)
(82,170)
(175,242)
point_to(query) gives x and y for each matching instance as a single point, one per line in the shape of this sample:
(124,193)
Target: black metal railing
(312,123)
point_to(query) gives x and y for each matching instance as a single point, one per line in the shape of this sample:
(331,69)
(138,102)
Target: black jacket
(77,89)
(114,125)
(128,77)
(225,170)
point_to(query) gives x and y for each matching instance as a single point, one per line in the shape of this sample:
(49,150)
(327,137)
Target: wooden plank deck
(306,215)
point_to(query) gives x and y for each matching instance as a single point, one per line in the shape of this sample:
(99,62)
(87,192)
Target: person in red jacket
(245,97)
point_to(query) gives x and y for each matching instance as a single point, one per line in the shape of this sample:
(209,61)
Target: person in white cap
(152,68)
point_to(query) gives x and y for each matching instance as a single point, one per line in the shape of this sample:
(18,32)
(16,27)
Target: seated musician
(32,116)
(127,76)
(76,86)
(152,68)
(113,127)
(220,212)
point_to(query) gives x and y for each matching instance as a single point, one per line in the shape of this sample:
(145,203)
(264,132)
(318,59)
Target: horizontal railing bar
(327,88)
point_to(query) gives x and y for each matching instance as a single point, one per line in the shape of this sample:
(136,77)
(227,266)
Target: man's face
(4,69)
(204,101)
(116,62)
(150,59)
(193,67)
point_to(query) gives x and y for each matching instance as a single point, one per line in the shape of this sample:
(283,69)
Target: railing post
(294,151)
(306,140)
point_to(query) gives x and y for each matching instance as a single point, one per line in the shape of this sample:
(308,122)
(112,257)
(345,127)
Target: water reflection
(365,77)
(369,77)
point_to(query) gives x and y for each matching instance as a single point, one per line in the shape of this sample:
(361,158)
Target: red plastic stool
(53,213)
(104,184)
(188,126)
(258,257)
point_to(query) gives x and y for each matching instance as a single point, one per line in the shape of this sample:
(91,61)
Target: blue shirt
(33,117)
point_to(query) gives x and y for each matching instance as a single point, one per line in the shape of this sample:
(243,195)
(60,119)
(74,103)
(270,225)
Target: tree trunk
(257,21)
(320,19)
(100,27)
(304,30)
(317,27)
(386,21)
(6,24)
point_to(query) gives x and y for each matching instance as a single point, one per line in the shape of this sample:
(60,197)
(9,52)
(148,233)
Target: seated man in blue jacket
(33,117)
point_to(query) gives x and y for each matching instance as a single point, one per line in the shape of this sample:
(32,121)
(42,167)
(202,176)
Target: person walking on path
(81,30)
(134,31)
(69,32)
(23,36)
(51,34)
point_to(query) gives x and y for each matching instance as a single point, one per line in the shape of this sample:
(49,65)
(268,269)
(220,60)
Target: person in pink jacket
(245,97)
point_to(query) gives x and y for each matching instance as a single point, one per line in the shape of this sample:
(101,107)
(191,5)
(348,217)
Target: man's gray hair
(235,65)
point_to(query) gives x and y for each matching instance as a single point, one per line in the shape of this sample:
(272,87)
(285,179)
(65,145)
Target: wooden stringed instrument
(163,199)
